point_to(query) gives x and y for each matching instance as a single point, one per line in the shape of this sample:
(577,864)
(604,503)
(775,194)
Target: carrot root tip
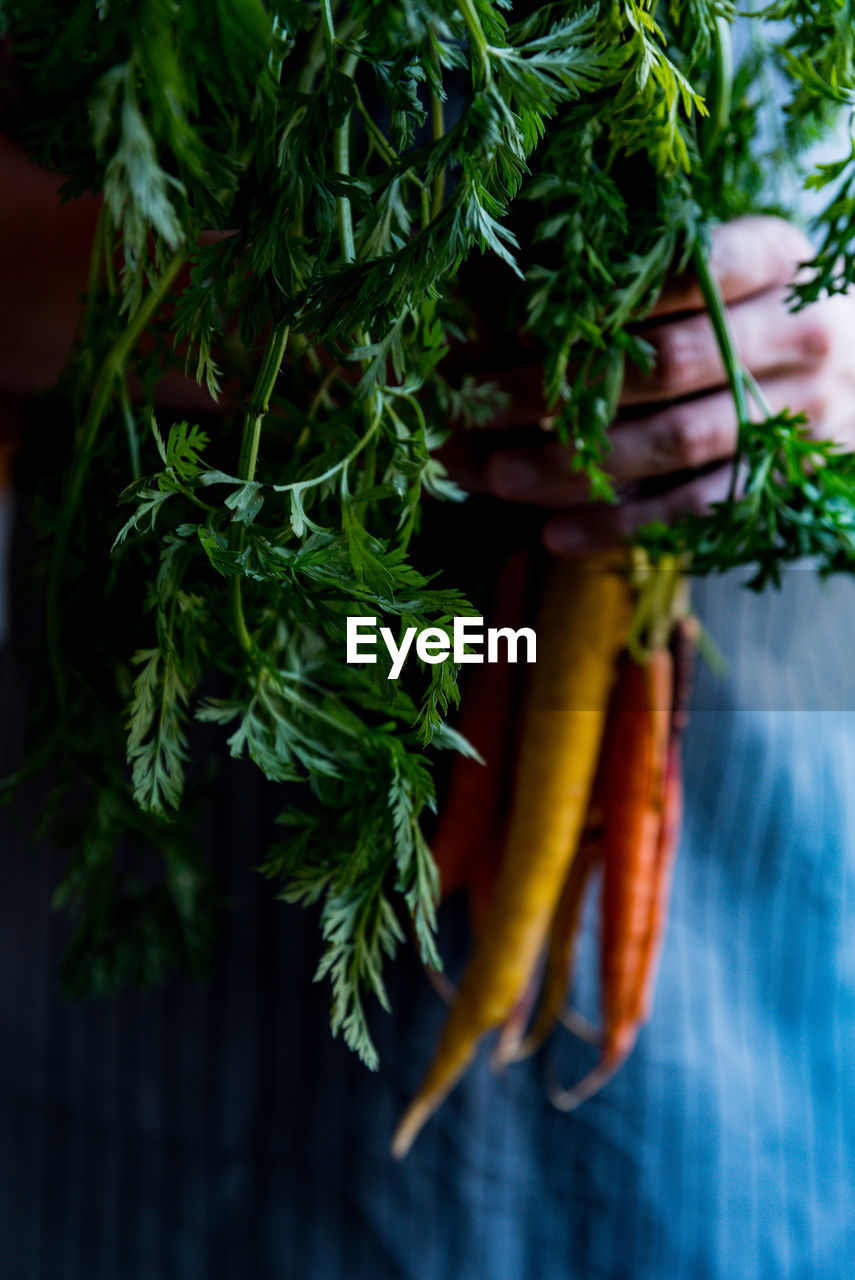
(519,1050)
(412,1122)
(580,1026)
(570,1099)
(506,1051)
(442,984)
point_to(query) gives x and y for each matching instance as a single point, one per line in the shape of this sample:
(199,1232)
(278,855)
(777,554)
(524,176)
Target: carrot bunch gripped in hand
(597,782)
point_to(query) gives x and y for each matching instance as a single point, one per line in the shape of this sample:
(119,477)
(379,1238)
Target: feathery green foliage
(320,173)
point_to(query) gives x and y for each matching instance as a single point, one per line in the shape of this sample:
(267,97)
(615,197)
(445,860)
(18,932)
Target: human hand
(680,417)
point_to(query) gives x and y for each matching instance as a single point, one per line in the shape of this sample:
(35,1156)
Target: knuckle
(786,245)
(759,250)
(722,258)
(814,340)
(695,501)
(686,440)
(677,358)
(815,406)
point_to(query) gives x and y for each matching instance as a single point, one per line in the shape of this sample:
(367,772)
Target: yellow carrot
(582,625)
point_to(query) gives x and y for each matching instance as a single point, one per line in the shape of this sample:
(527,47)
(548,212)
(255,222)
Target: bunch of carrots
(596,784)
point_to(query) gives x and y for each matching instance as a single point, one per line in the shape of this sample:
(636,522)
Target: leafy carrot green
(290,193)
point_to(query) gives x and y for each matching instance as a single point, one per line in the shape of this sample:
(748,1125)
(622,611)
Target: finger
(747,256)
(769,339)
(687,435)
(585,529)
(682,437)
(695,433)
(801,394)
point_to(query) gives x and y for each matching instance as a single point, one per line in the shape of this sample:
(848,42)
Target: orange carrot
(634,778)
(669,834)
(582,625)
(683,650)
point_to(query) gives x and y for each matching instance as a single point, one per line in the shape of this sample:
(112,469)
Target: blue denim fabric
(219,1132)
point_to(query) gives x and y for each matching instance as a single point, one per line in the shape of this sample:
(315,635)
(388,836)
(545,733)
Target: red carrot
(467,840)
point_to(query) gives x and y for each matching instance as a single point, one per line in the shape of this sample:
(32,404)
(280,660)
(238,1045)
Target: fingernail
(512,476)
